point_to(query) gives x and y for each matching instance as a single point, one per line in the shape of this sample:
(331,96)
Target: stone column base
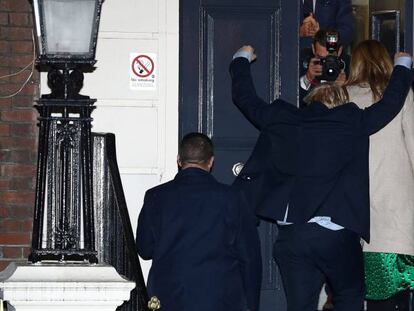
(56,286)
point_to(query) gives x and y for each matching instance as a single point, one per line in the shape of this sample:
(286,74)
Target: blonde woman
(389,261)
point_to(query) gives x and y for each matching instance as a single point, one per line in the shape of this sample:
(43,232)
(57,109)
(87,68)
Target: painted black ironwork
(63,227)
(114,235)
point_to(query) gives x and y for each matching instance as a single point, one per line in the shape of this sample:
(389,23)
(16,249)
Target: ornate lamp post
(63,227)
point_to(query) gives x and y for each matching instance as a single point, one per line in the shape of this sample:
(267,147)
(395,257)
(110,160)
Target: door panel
(219,118)
(210,33)
(389,33)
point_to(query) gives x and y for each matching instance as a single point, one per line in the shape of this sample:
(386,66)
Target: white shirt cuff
(244,54)
(405,61)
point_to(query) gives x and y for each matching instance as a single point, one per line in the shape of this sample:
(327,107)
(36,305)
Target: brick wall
(18,131)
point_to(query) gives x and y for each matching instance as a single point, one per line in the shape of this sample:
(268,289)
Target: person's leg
(402,301)
(302,280)
(344,268)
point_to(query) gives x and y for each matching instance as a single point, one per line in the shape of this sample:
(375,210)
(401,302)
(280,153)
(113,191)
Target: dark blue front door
(210,32)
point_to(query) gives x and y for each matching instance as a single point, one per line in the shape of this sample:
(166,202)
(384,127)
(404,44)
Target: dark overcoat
(202,239)
(315,159)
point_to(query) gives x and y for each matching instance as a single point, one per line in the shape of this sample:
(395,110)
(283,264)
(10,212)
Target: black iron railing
(114,236)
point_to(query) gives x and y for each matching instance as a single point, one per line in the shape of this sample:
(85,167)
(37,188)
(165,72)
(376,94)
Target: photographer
(323,62)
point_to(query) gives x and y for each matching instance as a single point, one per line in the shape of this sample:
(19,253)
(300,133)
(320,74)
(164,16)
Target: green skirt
(386,274)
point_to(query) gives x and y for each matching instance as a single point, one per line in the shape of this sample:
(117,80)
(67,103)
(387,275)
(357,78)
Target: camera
(332,65)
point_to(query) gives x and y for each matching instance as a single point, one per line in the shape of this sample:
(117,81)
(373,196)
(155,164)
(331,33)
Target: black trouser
(403,301)
(307,254)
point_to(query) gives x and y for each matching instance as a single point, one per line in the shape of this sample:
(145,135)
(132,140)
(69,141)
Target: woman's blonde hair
(370,64)
(329,94)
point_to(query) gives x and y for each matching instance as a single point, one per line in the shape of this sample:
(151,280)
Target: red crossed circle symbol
(143,66)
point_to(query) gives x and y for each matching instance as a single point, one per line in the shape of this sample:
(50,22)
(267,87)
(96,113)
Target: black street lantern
(67,30)
(63,226)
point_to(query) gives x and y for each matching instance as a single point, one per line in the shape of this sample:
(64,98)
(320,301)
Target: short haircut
(321,36)
(329,94)
(195,148)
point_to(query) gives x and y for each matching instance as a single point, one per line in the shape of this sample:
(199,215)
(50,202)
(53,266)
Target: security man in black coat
(201,237)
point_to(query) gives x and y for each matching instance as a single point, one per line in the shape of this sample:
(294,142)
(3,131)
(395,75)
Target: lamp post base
(68,287)
(63,255)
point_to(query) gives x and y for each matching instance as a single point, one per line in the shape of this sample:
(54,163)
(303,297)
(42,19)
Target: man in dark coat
(323,14)
(201,237)
(309,173)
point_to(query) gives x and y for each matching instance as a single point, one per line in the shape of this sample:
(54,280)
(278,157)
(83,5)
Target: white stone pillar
(68,287)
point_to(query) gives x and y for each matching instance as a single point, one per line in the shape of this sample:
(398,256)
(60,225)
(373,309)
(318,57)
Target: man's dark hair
(321,36)
(195,148)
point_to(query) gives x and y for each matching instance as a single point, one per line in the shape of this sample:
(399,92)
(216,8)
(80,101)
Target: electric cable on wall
(31,64)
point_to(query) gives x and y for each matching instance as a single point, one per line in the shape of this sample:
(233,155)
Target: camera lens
(331,67)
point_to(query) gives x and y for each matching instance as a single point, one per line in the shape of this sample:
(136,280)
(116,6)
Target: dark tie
(307,8)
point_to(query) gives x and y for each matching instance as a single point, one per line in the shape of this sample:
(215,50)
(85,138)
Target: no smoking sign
(142,71)
(143,66)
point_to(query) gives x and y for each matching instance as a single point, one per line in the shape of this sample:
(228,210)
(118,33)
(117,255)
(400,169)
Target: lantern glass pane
(69,26)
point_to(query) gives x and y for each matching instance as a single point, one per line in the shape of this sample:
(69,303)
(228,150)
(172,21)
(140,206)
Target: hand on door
(248,49)
(401,54)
